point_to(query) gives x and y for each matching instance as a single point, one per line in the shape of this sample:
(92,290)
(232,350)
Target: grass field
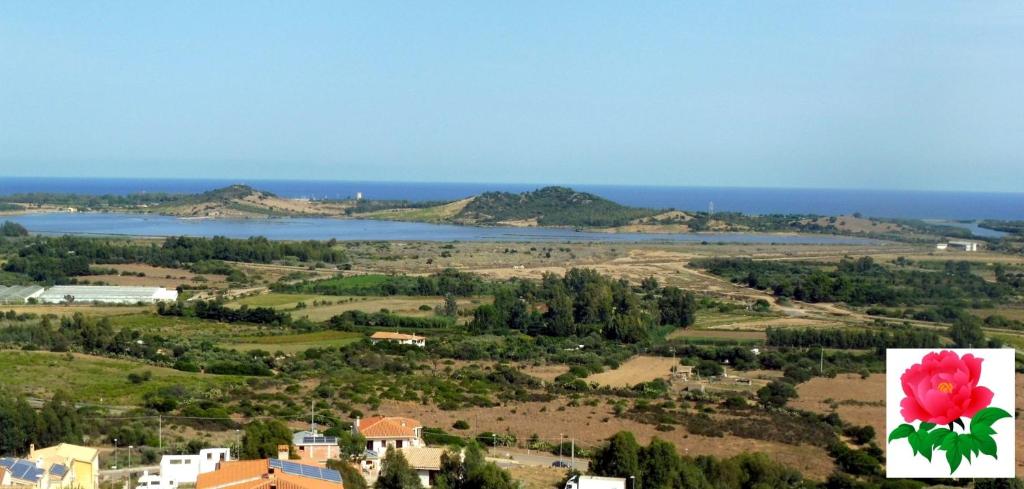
(331,305)
(95,379)
(293,343)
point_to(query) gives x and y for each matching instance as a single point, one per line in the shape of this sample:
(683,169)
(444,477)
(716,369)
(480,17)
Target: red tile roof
(256,474)
(388,427)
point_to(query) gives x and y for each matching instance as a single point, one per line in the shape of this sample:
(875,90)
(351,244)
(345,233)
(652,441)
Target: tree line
(895,337)
(859,282)
(59,259)
(217,311)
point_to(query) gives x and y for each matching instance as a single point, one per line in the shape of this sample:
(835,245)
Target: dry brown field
(534,477)
(591,425)
(636,370)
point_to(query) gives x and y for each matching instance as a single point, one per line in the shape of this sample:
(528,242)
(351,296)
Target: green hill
(549,206)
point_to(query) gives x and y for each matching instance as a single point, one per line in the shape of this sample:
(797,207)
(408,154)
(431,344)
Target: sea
(911,204)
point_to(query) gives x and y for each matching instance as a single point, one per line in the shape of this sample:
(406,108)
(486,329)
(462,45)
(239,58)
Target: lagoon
(145,225)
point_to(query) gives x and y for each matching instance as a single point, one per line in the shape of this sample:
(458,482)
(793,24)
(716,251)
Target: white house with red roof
(400,338)
(383,432)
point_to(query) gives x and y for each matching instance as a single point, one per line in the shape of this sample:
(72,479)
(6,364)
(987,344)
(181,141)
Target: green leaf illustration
(902,431)
(920,443)
(986,444)
(986,417)
(954,452)
(936,437)
(926,426)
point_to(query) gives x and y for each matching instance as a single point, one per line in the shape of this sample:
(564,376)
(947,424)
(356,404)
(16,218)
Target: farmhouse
(400,338)
(269,474)
(106,294)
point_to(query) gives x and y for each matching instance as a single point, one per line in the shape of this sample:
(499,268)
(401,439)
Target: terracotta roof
(388,427)
(383,335)
(2,472)
(255,474)
(423,457)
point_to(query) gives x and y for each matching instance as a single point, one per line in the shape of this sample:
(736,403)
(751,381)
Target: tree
(776,394)
(263,437)
(349,474)
(395,472)
(966,332)
(677,307)
(450,307)
(620,457)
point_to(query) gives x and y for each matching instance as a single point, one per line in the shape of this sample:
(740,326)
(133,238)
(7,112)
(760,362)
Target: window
(398,444)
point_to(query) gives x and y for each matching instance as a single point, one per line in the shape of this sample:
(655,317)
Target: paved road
(507,457)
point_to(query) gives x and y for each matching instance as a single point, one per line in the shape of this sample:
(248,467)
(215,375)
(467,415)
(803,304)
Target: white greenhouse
(106,294)
(19,294)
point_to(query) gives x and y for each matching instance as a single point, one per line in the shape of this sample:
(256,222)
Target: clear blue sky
(861,94)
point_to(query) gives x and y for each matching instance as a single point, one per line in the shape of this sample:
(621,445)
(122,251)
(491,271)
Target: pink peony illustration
(943,388)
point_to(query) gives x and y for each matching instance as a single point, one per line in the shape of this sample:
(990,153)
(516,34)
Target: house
(684,372)
(269,474)
(941,246)
(425,461)
(83,463)
(185,469)
(315,447)
(400,338)
(383,432)
(21,473)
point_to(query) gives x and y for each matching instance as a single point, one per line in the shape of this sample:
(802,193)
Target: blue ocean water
(875,203)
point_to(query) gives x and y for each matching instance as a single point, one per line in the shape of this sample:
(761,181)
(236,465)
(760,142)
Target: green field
(708,319)
(292,343)
(276,299)
(95,379)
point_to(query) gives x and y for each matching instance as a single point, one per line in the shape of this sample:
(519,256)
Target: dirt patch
(636,370)
(546,373)
(533,477)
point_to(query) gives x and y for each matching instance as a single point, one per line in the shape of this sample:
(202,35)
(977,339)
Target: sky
(924,95)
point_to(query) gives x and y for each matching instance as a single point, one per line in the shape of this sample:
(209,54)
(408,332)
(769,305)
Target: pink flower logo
(943,388)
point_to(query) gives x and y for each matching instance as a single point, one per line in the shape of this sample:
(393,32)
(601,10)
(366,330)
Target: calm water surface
(365,230)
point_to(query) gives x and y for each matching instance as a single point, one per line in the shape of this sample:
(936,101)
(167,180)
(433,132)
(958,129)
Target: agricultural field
(323,307)
(292,343)
(636,370)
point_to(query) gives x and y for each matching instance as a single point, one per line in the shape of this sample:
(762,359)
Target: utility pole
(115,453)
(572,451)
(312,415)
(129,467)
(821,363)
(160,432)
(560,436)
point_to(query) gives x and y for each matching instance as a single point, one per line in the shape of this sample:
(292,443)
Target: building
(16,472)
(942,246)
(83,463)
(185,469)
(425,461)
(19,294)
(595,482)
(269,474)
(400,338)
(315,447)
(106,294)
(382,432)
(963,245)
(153,481)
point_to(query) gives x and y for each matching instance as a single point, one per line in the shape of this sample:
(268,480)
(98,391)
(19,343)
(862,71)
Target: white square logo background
(997,374)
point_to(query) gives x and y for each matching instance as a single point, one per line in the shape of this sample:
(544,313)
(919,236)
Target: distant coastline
(941,205)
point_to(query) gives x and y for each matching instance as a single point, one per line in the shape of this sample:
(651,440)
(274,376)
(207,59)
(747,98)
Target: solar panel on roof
(59,470)
(306,470)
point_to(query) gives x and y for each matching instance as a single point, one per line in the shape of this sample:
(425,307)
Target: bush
(461,425)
